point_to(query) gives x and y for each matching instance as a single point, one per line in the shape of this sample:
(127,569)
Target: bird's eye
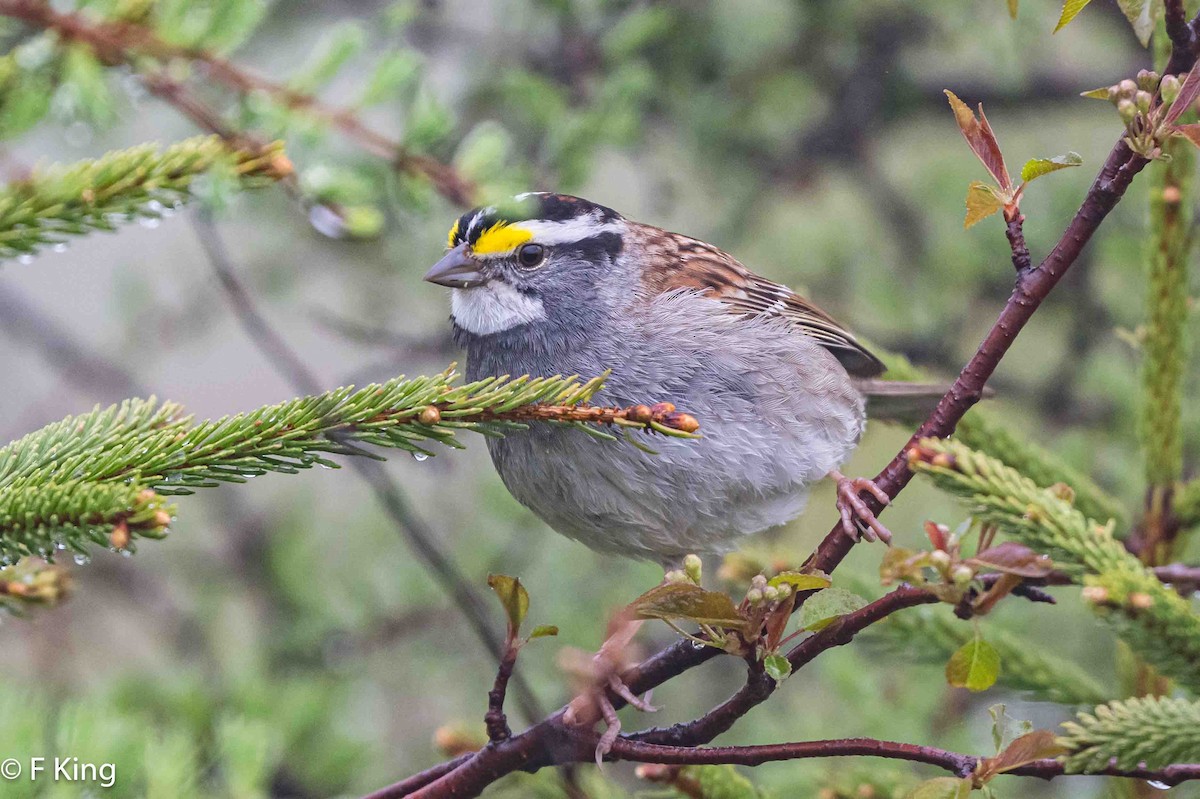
(531,255)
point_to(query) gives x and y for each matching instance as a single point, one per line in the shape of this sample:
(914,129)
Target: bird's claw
(593,704)
(852,508)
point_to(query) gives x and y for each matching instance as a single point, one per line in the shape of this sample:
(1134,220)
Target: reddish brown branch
(1021,259)
(1181,34)
(960,765)
(495,720)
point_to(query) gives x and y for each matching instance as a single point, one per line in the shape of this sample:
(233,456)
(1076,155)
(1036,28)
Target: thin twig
(495,720)
(1021,259)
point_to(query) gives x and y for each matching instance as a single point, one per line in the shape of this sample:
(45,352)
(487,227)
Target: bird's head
(538,257)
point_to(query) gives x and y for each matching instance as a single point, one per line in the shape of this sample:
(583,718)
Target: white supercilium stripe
(570,230)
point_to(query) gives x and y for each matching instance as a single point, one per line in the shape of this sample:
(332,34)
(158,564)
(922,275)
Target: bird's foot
(855,511)
(600,675)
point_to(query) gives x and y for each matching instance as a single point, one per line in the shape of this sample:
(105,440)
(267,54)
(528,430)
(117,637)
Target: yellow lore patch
(500,237)
(453,235)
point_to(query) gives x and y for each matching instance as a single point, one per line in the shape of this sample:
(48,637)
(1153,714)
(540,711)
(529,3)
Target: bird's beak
(456,270)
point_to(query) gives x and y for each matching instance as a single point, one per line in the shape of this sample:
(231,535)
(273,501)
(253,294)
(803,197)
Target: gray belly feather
(777,413)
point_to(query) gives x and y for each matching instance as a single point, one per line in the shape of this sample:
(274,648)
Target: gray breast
(777,412)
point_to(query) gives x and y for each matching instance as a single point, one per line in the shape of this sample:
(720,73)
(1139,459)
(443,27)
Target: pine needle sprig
(1026,666)
(1157,622)
(143,182)
(1040,518)
(40,520)
(1156,731)
(980,431)
(98,478)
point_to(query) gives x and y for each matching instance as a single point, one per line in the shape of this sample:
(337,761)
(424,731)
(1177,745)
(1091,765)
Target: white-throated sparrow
(552,284)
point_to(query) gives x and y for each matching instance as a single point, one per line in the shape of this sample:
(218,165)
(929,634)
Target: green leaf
(941,788)
(1096,94)
(799,581)
(690,602)
(975,666)
(982,201)
(777,666)
(543,631)
(823,608)
(1142,16)
(1070,10)
(1036,167)
(344,41)
(513,597)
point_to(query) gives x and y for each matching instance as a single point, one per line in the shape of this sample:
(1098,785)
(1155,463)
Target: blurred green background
(284,641)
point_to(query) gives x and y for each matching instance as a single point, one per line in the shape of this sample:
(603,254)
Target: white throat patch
(493,307)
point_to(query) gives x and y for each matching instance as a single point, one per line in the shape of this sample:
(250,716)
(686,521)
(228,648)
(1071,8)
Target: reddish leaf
(689,602)
(981,140)
(1191,131)
(1188,93)
(1013,558)
(1032,746)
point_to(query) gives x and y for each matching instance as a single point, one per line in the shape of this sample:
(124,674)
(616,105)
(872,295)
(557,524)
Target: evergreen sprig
(1186,503)
(1159,624)
(1152,730)
(1025,666)
(980,431)
(98,478)
(1042,519)
(143,182)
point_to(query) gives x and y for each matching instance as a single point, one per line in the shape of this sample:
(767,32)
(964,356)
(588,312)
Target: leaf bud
(758,581)
(1143,100)
(693,566)
(1147,80)
(784,590)
(1127,110)
(962,575)
(1169,88)
(771,593)
(1126,88)
(940,559)
(430,415)
(1095,594)
(1114,93)
(676,576)
(754,596)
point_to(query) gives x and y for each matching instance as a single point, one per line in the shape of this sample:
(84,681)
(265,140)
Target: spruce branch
(41,519)
(97,477)
(1159,624)
(980,431)
(143,182)
(1042,519)
(153,445)
(1185,502)
(33,582)
(1156,621)
(1148,731)
(1026,667)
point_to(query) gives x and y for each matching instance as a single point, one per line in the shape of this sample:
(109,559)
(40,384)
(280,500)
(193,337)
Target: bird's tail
(898,401)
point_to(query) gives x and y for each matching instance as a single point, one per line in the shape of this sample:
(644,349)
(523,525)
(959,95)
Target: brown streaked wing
(704,267)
